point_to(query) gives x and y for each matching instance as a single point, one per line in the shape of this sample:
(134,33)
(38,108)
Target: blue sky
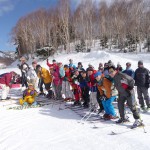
(12,10)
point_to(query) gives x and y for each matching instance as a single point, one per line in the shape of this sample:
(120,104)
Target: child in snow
(29,96)
(57,83)
(76,88)
(108,94)
(66,84)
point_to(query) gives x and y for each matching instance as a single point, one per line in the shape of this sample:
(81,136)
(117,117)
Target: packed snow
(48,128)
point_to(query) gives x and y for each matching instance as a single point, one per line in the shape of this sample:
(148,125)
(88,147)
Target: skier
(6,81)
(92,87)
(100,67)
(66,84)
(142,81)
(76,88)
(24,69)
(105,72)
(40,82)
(107,95)
(125,86)
(57,82)
(32,77)
(119,67)
(128,70)
(84,89)
(71,65)
(46,77)
(54,64)
(80,67)
(29,96)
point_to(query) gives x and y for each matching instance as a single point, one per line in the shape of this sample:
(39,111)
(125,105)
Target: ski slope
(48,128)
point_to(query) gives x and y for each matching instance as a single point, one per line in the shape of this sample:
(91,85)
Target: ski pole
(90,114)
(86,114)
(143,126)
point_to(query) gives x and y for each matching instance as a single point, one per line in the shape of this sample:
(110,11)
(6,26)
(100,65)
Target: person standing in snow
(46,77)
(24,67)
(76,88)
(66,83)
(125,86)
(84,89)
(128,70)
(39,82)
(72,67)
(92,86)
(142,81)
(105,72)
(107,95)
(6,81)
(80,67)
(57,83)
(119,67)
(100,67)
(54,64)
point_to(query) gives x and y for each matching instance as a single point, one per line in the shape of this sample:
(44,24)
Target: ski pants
(99,101)
(5,91)
(85,95)
(66,90)
(108,106)
(131,102)
(143,92)
(57,90)
(24,80)
(77,92)
(40,85)
(93,98)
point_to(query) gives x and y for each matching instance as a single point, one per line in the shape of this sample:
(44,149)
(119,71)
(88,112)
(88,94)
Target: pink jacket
(56,78)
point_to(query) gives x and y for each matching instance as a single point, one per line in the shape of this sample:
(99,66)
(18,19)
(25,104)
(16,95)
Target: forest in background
(121,24)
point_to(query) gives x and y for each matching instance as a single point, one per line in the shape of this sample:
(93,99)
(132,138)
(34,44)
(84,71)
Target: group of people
(92,88)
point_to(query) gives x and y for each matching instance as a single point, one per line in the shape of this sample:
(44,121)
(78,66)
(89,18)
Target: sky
(12,10)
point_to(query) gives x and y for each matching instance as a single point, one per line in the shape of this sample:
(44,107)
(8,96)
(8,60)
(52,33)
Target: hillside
(49,128)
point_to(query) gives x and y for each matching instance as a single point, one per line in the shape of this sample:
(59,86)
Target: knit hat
(98,73)
(140,62)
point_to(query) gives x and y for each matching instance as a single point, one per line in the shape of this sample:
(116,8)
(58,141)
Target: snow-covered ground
(48,128)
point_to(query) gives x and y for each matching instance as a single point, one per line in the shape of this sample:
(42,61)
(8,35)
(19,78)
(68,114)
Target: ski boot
(137,123)
(122,120)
